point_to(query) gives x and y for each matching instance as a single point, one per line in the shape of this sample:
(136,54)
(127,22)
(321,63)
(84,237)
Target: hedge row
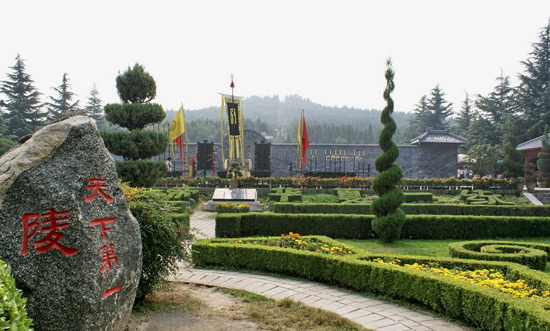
(530,254)
(416,209)
(418,197)
(285,194)
(483,307)
(349,195)
(183,193)
(359,226)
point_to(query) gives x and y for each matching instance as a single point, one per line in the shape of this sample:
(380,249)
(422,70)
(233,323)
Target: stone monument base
(234,195)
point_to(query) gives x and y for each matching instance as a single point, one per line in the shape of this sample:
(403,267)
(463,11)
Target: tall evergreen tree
(94,109)
(465,116)
(533,92)
(498,106)
(23,107)
(438,109)
(389,218)
(64,102)
(418,124)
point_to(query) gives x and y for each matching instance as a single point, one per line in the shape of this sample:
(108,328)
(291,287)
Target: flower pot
(530,186)
(233,184)
(520,186)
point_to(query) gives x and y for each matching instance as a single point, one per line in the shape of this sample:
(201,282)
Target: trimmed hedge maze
(285,194)
(530,254)
(480,197)
(486,308)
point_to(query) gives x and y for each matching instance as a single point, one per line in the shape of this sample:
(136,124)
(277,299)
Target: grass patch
(432,248)
(169,297)
(289,315)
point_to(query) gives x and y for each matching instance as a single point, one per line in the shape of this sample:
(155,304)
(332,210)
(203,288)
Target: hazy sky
(332,52)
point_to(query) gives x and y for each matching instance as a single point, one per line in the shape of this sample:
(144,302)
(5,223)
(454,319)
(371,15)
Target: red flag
(305,143)
(180,144)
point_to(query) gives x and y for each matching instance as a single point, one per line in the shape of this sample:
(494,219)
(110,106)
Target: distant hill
(284,114)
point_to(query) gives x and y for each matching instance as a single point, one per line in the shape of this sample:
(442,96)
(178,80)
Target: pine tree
(438,110)
(533,92)
(23,108)
(94,109)
(498,106)
(64,103)
(419,123)
(389,218)
(465,116)
(513,159)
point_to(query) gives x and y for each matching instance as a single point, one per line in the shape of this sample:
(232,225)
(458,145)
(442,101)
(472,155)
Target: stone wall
(424,161)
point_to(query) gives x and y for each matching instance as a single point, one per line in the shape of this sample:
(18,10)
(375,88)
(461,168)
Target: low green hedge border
(285,194)
(418,197)
(483,307)
(535,255)
(180,219)
(417,209)
(359,226)
(13,315)
(183,193)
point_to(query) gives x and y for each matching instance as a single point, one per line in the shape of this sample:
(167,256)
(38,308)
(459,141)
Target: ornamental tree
(136,88)
(389,217)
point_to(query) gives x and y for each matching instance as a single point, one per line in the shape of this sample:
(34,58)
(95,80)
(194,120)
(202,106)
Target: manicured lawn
(434,248)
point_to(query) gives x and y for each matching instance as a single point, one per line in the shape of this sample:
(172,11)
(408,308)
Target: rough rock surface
(65,228)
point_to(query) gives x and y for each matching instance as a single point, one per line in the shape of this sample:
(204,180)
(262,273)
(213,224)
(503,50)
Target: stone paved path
(371,313)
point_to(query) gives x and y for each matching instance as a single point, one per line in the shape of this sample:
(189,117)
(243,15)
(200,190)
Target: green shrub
(136,144)
(228,207)
(480,197)
(530,254)
(162,235)
(285,194)
(483,307)
(13,315)
(183,193)
(358,226)
(349,195)
(141,173)
(409,209)
(418,197)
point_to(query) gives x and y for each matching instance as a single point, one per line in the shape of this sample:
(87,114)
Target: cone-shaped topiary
(136,88)
(389,218)
(543,163)
(513,161)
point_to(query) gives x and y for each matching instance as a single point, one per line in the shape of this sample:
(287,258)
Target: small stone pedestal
(234,195)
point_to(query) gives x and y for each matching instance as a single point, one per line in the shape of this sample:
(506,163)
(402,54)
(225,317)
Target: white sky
(332,52)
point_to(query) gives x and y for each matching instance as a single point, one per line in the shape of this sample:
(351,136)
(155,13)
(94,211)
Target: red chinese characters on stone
(50,223)
(97,185)
(102,225)
(108,257)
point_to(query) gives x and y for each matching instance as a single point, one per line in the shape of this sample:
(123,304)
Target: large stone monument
(65,228)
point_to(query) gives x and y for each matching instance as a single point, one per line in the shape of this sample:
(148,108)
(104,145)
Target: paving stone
(355,315)
(394,327)
(284,294)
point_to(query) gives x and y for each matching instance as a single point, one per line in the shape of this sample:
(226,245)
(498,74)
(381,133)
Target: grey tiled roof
(438,137)
(530,144)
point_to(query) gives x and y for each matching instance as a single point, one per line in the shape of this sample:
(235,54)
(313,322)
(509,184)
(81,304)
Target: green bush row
(181,220)
(13,315)
(359,226)
(480,197)
(349,195)
(483,307)
(416,209)
(285,194)
(418,197)
(530,254)
(183,193)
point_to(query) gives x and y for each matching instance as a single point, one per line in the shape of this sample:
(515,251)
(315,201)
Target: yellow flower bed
(490,278)
(296,241)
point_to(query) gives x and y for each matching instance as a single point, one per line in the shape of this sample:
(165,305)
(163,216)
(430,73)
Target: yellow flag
(177,128)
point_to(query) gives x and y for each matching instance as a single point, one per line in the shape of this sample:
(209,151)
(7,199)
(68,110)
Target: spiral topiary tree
(389,217)
(136,88)
(513,161)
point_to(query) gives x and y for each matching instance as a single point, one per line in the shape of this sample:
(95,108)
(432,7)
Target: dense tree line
(490,122)
(22,110)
